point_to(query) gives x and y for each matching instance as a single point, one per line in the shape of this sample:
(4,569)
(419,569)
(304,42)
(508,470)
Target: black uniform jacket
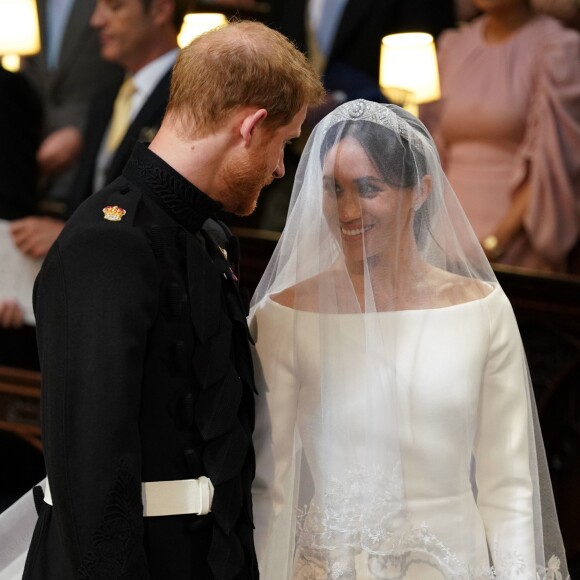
(147,376)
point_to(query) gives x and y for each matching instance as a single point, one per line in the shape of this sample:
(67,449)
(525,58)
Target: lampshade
(19,27)
(408,73)
(19,33)
(198,23)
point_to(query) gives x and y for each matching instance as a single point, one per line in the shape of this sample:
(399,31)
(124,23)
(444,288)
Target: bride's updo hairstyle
(399,164)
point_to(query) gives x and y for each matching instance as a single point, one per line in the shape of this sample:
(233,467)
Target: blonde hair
(242,64)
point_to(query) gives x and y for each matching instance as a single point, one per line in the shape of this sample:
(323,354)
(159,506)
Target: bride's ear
(422,192)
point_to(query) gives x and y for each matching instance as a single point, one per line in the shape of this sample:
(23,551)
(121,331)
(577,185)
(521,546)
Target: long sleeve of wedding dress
(502,448)
(275,441)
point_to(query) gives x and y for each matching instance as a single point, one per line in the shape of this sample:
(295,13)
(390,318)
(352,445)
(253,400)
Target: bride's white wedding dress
(466,494)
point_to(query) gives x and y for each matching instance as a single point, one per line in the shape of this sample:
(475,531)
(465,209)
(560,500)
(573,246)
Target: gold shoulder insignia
(114,213)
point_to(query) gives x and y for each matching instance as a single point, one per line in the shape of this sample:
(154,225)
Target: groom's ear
(250,122)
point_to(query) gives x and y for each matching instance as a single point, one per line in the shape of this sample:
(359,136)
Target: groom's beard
(244,180)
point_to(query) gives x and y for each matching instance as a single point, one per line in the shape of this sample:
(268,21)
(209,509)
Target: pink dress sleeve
(549,155)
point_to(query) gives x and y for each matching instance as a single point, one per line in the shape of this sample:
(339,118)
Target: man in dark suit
(141,37)
(66,82)
(67,73)
(147,383)
(145,46)
(147,58)
(350,61)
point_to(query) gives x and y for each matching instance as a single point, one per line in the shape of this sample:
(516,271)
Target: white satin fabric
(470,353)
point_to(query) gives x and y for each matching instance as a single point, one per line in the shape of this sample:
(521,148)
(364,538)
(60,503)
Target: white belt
(170,498)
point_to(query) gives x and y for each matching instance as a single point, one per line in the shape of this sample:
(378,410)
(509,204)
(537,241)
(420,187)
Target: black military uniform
(147,376)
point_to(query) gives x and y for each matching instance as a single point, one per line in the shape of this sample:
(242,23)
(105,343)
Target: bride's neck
(391,277)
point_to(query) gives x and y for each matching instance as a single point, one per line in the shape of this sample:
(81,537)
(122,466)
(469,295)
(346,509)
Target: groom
(147,386)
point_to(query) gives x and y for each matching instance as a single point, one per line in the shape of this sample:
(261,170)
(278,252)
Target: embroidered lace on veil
(396,430)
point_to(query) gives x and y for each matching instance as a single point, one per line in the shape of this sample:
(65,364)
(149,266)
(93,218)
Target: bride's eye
(369,188)
(331,187)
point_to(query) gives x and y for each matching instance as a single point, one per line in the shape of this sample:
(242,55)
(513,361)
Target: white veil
(396,433)
(16,527)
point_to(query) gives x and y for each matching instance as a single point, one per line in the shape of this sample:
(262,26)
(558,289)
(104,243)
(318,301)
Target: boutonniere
(225,255)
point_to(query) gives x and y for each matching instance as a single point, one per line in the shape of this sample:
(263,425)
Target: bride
(396,434)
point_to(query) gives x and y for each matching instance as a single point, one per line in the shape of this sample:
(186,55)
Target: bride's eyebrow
(362,180)
(369,180)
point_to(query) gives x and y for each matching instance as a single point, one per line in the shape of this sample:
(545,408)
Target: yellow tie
(121,112)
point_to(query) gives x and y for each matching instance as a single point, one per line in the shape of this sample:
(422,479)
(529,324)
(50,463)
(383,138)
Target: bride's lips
(352,233)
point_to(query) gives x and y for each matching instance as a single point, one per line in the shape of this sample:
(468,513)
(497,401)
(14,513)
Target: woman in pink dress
(508,129)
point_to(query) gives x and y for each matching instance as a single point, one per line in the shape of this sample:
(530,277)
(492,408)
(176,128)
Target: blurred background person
(508,129)
(568,11)
(67,73)
(141,37)
(132,36)
(20,126)
(343,37)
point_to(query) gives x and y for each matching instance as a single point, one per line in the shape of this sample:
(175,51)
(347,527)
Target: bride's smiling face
(367,214)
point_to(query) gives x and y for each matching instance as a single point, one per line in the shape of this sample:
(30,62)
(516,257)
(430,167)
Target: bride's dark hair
(381,144)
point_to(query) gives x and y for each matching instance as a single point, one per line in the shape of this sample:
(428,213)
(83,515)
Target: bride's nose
(348,206)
